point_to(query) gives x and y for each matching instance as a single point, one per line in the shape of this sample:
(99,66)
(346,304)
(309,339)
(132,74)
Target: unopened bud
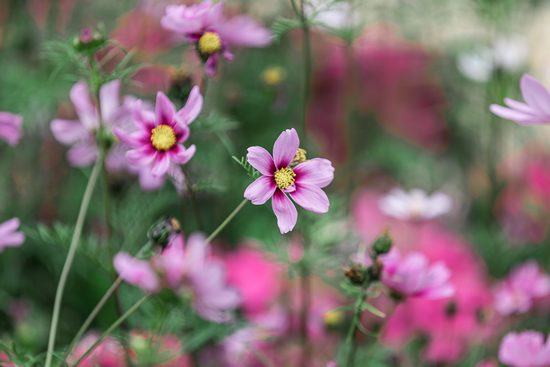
(88,41)
(383,243)
(375,271)
(356,274)
(86,36)
(161,232)
(299,157)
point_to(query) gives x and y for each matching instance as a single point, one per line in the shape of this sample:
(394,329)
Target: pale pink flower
(156,141)
(204,25)
(535,111)
(108,353)
(524,349)
(10,127)
(412,276)
(79,134)
(136,272)
(9,236)
(415,204)
(303,182)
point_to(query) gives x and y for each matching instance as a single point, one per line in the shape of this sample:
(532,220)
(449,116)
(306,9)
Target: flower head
(157,139)
(415,204)
(303,182)
(108,352)
(535,111)
(203,25)
(10,127)
(525,349)
(9,237)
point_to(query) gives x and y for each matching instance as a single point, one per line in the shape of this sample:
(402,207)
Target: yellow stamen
(163,137)
(209,43)
(299,157)
(285,178)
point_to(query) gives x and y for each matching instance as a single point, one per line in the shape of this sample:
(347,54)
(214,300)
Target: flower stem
(305,293)
(119,321)
(226,221)
(70,256)
(350,342)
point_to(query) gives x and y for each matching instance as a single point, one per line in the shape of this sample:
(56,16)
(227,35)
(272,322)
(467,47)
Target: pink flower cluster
(184,267)
(525,349)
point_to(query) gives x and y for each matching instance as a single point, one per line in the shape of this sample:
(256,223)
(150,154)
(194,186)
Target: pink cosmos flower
(10,127)
(415,205)
(108,353)
(412,277)
(537,109)
(302,182)
(160,351)
(79,134)
(156,141)
(525,349)
(9,237)
(203,24)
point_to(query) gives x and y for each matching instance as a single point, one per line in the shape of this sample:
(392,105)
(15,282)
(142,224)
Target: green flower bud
(383,243)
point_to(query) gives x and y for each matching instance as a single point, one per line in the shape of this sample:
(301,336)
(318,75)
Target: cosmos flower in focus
(415,204)
(303,182)
(204,25)
(524,349)
(9,237)
(535,111)
(10,127)
(156,141)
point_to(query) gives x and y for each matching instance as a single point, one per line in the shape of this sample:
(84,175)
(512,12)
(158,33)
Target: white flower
(477,65)
(415,204)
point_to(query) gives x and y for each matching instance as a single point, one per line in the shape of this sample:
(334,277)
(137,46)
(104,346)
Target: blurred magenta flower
(525,284)
(79,134)
(9,237)
(136,272)
(10,127)
(411,276)
(524,349)
(303,182)
(415,204)
(537,109)
(156,141)
(204,25)
(108,353)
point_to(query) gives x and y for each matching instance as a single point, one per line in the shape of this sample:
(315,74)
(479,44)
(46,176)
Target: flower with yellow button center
(285,178)
(163,137)
(209,43)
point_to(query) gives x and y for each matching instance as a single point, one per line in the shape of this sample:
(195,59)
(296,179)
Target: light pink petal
(519,106)
(116,161)
(164,110)
(192,107)
(9,226)
(213,14)
(142,156)
(311,197)
(14,239)
(260,159)
(82,155)
(285,211)
(285,148)
(144,119)
(136,272)
(259,191)
(10,127)
(148,182)
(109,95)
(87,113)
(180,155)
(211,65)
(535,94)
(197,251)
(244,31)
(133,140)
(161,164)
(317,171)
(520,117)
(68,132)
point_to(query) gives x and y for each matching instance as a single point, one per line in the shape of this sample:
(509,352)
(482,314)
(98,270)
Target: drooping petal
(68,132)
(133,140)
(14,239)
(317,171)
(142,156)
(9,226)
(82,155)
(535,94)
(86,111)
(161,164)
(192,107)
(197,251)
(244,31)
(109,96)
(211,65)
(522,107)
(285,148)
(311,197)
(286,212)
(136,272)
(520,117)
(164,110)
(261,190)
(181,155)
(260,159)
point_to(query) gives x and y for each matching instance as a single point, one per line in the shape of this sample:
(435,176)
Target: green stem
(119,321)
(307,62)
(305,293)
(226,221)
(350,342)
(70,256)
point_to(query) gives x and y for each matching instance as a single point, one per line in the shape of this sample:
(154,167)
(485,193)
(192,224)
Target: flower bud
(356,274)
(161,232)
(299,157)
(88,41)
(383,243)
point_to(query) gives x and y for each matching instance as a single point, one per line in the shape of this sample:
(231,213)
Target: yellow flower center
(285,178)
(163,137)
(209,43)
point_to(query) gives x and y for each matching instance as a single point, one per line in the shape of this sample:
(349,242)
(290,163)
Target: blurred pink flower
(9,237)
(537,109)
(136,272)
(108,353)
(303,182)
(415,204)
(10,127)
(156,141)
(79,134)
(411,276)
(165,350)
(5,359)
(204,25)
(524,349)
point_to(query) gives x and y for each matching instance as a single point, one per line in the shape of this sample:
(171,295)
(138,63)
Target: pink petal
(136,272)
(192,107)
(9,226)
(68,132)
(521,118)
(317,171)
(180,155)
(260,159)
(109,95)
(87,113)
(142,156)
(522,107)
(144,119)
(211,65)
(133,140)
(148,182)
(259,191)
(164,109)
(285,211)
(244,31)
(10,127)
(285,148)
(15,239)
(311,197)
(535,94)
(161,164)
(82,155)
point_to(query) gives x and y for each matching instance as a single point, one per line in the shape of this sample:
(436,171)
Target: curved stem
(226,221)
(70,256)
(119,321)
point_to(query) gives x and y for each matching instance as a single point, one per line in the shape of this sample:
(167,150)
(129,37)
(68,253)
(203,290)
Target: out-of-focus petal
(68,132)
(244,31)
(136,272)
(109,95)
(181,155)
(87,113)
(192,107)
(82,155)
(164,110)
(535,94)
